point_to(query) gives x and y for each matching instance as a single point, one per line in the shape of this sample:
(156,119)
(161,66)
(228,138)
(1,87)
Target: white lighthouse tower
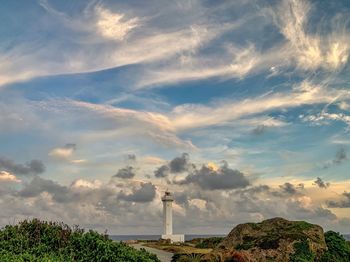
(167,200)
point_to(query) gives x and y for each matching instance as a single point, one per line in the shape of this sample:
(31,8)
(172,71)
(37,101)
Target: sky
(240,108)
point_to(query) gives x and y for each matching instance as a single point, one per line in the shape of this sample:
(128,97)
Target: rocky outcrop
(274,239)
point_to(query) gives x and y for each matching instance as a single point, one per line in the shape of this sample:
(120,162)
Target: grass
(176,248)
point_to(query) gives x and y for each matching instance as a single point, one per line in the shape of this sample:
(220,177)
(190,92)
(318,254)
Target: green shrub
(302,252)
(41,241)
(301,225)
(338,248)
(187,257)
(209,242)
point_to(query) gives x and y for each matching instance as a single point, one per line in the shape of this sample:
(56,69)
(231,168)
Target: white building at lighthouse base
(174,238)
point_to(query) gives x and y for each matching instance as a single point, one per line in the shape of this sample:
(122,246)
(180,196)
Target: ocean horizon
(187,237)
(156,237)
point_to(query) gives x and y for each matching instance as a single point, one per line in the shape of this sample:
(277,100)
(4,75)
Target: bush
(302,252)
(187,257)
(209,242)
(338,248)
(39,241)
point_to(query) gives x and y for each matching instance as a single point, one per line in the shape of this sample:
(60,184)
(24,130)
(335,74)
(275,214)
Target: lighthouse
(167,200)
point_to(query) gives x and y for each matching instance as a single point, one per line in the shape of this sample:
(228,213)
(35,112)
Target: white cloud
(81,184)
(239,63)
(113,25)
(61,153)
(325,118)
(22,63)
(344,105)
(328,51)
(8,177)
(193,116)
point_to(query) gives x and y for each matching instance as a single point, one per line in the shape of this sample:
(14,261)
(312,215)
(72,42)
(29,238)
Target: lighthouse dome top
(167,196)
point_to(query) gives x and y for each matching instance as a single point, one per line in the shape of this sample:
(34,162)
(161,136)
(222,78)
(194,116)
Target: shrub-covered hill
(281,240)
(42,241)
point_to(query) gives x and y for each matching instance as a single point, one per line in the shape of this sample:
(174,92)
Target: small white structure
(167,200)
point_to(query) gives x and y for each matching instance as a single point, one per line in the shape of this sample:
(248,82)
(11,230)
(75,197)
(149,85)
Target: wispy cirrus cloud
(79,56)
(192,116)
(311,51)
(114,25)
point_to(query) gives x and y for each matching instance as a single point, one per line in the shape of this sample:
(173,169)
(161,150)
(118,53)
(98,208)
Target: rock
(274,239)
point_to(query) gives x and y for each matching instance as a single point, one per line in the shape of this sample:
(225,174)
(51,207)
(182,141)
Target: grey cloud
(126,172)
(291,189)
(320,183)
(344,203)
(145,193)
(340,156)
(179,164)
(99,208)
(252,203)
(70,146)
(131,157)
(162,171)
(38,185)
(32,167)
(224,178)
(259,130)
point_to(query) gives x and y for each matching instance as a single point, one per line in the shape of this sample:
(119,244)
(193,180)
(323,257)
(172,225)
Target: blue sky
(254,93)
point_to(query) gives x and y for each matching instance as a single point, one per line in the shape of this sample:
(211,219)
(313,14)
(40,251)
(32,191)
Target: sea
(156,237)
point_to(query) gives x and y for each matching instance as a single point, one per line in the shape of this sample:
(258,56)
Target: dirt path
(162,255)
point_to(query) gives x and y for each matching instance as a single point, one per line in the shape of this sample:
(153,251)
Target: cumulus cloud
(145,193)
(343,203)
(291,189)
(95,204)
(8,177)
(30,168)
(81,183)
(126,172)
(162,171)
(39,185)
(252,203)
(221,179)
(321,184)
(177,165)
(64,152)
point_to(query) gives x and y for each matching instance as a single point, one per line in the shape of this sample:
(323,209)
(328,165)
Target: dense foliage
(209,242)
(187,257)
(42,241)
(338,248)
(302,252)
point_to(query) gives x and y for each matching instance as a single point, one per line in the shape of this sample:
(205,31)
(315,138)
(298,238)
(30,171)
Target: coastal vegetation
(42,241)
(271,240)
(277,240)
(281,240)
